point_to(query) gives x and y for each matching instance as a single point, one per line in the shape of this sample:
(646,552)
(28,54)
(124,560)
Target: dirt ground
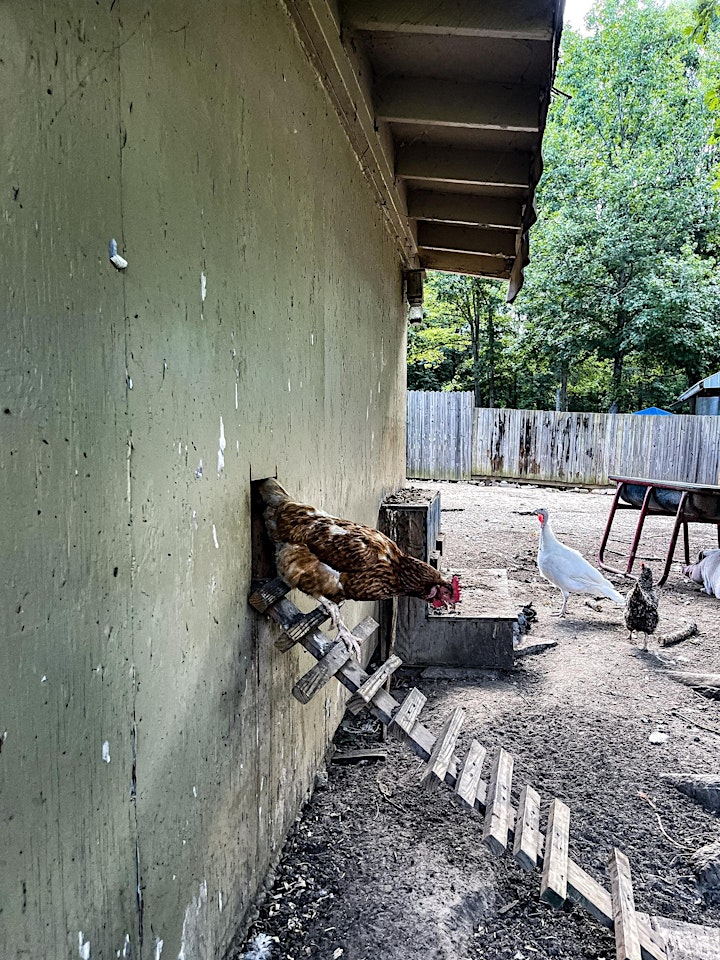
(376,868)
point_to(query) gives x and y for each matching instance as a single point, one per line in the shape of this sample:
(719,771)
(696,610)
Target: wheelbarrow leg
(638,528)
(608,525)
(679,518)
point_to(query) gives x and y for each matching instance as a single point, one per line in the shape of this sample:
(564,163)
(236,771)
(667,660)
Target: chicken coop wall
(151,754)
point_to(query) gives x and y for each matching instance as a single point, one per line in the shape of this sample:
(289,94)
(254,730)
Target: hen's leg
(344,634)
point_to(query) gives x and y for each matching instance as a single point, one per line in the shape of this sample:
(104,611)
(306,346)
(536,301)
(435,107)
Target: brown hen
(333,560)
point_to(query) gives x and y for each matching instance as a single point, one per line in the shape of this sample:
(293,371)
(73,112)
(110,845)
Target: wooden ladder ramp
(506,828)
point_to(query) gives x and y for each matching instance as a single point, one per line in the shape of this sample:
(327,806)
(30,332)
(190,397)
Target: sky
(575,11)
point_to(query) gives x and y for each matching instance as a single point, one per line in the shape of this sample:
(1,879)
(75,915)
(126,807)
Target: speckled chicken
(641,606)
(332,559)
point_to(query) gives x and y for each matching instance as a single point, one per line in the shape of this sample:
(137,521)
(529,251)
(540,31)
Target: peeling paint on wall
(106,751)
(195,927)
(84,947)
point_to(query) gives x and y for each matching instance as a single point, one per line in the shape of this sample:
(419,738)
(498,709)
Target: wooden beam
(498,807)
(316,677)
(456,238)
(424,161)
(554,885)
(367,691)
(264,595)
(319,33)
(474,264)
(461,208)
(304,624)
(437,765)
(528,838)
(514,19)
(627,937)
(446,103)
(467,784)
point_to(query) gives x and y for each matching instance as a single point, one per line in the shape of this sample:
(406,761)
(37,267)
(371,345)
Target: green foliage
(620,303)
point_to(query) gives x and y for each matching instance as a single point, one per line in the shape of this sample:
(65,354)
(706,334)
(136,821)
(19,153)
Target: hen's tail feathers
(272,492)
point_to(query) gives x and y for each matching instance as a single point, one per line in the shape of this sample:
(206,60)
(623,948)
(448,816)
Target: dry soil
(376,868)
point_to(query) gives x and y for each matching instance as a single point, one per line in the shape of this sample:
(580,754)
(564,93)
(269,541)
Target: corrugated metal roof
(445,103)
(708,387)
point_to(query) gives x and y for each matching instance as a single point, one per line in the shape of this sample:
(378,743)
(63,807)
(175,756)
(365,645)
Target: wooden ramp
(508,828)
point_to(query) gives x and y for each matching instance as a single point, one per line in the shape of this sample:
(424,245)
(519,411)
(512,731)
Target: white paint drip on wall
(158,948)
(195,791)
(220,901)
(43,678)
(203,286)
(127,949)
(213,585)
(215,539)
(106,751)
(84,946)
(236,395)
(199,471)
(221,447)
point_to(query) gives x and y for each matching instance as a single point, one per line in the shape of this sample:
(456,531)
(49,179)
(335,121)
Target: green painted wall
(149,737)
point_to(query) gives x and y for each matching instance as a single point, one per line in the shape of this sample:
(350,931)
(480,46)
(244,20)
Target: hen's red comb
(456,589)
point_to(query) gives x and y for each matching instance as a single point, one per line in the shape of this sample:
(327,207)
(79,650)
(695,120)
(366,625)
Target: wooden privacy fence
(542,445)
(439,435)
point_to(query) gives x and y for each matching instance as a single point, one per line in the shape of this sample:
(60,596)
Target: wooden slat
(497,20)
(527,829)
(461,208)
(498,809)
(316,678)
(553,887)
(371,686)
(267,594)
(627,937)
(302,626)
(423,161)
(476,240)
(437,765)
(484,106)
(652,943)
(467,784)
(404,720)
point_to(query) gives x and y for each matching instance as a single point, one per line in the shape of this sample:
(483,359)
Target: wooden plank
(424,161)
(464,208)
(553,886)
(441,236)
(508,20)
(367,691)
(437,765)
(359,756)
(498,809)
(528,838)
(404,720)
(467,784)
(302,626)
(627,937)
(319,33)
(316,678)
(266,594)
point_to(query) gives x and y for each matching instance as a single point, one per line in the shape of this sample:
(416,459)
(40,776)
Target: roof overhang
(445,104)
(709,387)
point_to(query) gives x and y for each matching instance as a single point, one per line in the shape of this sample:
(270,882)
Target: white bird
(568,569)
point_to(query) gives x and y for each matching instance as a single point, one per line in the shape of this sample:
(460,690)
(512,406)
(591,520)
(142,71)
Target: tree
(622,254)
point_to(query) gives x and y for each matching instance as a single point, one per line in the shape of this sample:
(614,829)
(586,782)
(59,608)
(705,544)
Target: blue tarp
(655,411)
